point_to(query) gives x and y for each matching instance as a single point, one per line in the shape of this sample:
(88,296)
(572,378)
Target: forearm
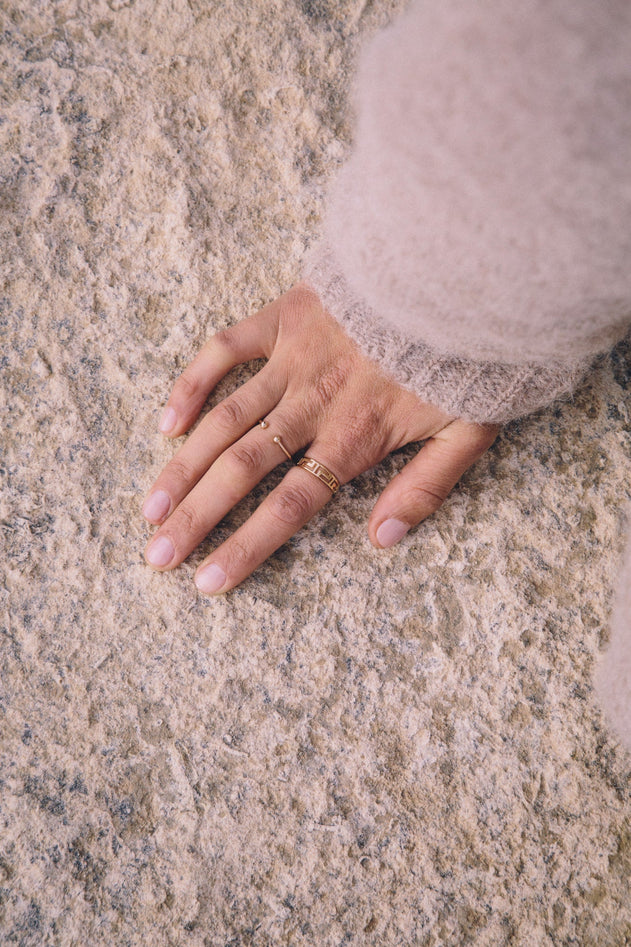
(480,229)
(474,389)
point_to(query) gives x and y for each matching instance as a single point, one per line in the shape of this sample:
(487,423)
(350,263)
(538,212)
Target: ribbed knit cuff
(485,392)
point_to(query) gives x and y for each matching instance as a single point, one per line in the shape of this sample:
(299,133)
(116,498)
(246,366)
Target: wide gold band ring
(320,471)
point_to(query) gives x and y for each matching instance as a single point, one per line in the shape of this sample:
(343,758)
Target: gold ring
(265,424)
(278,441)
(320,471)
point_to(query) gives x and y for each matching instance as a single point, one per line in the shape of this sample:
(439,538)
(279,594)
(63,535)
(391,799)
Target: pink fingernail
(390,532)
(167,421)
(210,579)
(160,552)
(156,506)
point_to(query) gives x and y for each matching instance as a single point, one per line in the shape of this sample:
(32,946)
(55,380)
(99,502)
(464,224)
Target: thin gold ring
(278,441)
(265,424)
(320,471)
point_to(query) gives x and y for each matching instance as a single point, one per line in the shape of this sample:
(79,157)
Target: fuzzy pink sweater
(477,243)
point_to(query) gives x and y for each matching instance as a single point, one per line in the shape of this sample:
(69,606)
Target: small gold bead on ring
(278,441)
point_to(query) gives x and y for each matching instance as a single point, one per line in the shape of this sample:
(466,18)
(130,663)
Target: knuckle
(225,339)
(237,554)
(187,521)
(483,436)
(292,505)
(230,414)
(298,300)
(233,343)
(302,295)
(187,385)
(363,422)
(426,496)
(363,438)
(328,385)
(181,472)
(244,458)
(472,438)
(300,412)
(363,427)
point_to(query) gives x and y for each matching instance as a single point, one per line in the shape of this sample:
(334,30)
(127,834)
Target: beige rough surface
(355,747)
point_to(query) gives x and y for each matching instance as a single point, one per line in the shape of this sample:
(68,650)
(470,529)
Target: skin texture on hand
(317,392)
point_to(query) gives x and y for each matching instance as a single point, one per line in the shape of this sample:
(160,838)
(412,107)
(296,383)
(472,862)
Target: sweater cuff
(481,391)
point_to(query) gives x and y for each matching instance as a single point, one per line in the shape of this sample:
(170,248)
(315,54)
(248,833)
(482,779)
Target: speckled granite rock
(355,747)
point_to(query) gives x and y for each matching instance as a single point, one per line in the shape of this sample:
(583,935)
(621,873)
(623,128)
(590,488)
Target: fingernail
(160,551)
(210,579)
(156,506)
(390,532)
(167,421)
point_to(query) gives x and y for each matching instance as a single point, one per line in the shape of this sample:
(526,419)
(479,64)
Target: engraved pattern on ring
(320,471)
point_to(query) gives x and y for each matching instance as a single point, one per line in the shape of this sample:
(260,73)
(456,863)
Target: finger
(223,426)
(286,510)
(425,482)
(233,475)
(249,339)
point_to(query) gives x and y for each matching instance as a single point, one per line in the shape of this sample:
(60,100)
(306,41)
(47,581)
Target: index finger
(249,339)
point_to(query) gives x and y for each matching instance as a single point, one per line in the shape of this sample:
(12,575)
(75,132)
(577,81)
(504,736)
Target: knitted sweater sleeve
(477,241)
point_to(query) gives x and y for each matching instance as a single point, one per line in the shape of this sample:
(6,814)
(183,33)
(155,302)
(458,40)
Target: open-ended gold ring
(320,471)
(265,424)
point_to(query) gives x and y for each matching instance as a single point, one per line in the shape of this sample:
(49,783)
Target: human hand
(316,390)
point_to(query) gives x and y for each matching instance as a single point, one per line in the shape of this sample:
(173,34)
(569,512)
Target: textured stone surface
(354,747)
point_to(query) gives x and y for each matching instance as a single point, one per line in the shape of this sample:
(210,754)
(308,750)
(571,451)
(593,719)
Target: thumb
(426,481)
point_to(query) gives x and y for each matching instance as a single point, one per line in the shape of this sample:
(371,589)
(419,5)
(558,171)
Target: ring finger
(284,511)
